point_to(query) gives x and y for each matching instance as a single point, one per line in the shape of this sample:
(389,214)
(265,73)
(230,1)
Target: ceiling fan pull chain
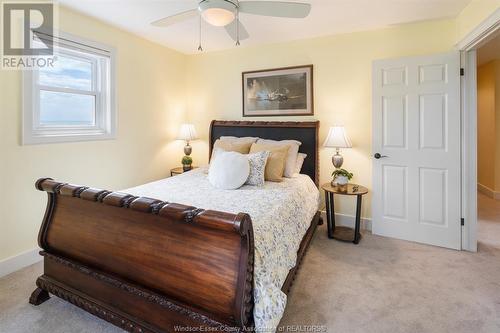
(238,26)
(199,45)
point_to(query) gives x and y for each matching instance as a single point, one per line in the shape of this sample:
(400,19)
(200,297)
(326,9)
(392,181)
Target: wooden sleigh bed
(100,250)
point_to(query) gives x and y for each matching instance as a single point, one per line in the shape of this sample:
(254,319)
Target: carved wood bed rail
(143,264)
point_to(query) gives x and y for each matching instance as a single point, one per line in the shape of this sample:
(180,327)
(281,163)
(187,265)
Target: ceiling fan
(225,13)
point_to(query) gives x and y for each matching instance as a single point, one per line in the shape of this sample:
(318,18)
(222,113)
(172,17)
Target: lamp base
(337,160)
(188,149)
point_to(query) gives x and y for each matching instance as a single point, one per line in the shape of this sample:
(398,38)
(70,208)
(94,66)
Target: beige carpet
(381,285)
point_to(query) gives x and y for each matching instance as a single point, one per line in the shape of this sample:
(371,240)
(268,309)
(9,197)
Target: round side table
(179,170)
(343,233)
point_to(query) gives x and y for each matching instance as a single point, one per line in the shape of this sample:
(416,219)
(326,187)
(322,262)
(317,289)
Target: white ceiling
(327,17)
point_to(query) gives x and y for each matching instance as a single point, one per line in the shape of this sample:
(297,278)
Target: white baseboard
(20,261)
(488,191)
(349,221)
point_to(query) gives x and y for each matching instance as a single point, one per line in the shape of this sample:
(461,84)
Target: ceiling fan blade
(169,20)
(231,31)
(275,8)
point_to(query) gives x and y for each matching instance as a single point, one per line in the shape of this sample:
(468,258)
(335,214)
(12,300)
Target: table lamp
(187,133)
(337,138)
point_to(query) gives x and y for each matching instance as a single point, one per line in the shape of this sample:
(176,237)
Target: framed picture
(278,92)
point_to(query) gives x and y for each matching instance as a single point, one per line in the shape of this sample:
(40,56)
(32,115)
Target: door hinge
(462,221)
(462,72)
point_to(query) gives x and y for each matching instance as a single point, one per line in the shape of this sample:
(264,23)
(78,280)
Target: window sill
(46,139)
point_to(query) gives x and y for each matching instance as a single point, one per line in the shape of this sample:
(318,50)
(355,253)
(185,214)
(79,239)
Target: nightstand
(343,233)
(179,170)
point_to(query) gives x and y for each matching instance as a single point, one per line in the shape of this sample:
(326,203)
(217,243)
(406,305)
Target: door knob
(377,156)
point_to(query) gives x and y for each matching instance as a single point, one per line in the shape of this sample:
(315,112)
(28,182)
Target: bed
(146,263)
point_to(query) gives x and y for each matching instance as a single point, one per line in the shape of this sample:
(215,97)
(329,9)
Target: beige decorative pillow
(275,163)
(239,147)
(291,156)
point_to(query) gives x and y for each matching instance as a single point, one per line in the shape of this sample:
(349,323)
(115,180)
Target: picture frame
(286,91)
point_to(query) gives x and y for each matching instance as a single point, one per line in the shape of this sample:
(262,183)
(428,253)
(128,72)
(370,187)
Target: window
(73,100)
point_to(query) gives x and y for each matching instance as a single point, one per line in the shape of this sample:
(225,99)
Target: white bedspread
(281,214)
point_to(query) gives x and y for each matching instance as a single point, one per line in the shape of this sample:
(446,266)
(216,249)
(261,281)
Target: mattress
(281,214)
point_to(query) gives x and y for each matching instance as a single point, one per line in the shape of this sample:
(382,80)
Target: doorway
(472,47)
(488,142)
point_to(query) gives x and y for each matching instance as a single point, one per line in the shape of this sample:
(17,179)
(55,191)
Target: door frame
(467,47)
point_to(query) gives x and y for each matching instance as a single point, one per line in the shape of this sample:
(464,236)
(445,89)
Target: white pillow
(214,153)
(298,166)
(228,170)
(257,167)
(291,157)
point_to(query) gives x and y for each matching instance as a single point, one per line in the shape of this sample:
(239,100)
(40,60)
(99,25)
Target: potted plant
(341,177)
(186,163)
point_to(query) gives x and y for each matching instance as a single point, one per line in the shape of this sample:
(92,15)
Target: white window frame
(103,59)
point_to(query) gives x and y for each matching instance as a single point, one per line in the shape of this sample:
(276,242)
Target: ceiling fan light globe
(218,17)
(218,12)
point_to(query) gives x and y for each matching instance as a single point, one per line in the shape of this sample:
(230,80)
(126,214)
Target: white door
(416,149)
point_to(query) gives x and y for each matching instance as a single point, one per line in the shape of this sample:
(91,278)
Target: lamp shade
(337,138)
(187,133)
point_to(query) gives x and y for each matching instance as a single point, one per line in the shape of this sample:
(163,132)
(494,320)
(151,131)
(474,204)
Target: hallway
(488,233)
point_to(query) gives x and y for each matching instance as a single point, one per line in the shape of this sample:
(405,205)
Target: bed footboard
(143,264)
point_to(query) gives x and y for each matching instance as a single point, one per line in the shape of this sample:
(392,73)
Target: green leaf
(187,160)
(342,172)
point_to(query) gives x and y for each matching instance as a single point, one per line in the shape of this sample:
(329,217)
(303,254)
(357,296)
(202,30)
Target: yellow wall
(150,86)
(472,15)
(488,108)
(342,81)
(486,118)
(488,104)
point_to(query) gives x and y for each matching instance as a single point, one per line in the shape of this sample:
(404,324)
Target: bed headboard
(303,131)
